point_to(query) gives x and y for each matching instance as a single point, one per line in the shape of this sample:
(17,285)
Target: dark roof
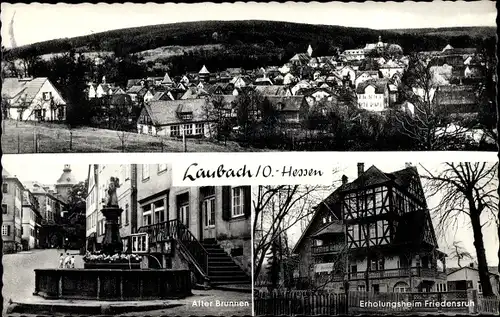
(284,103)
(331,228)
(134,89)
(455,95)
(302,58)
(372,176)
(380,86)
(460,51)
(167,112)
(491,269)
(403,177)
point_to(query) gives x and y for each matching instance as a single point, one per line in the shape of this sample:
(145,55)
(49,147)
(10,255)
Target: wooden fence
(488,305)
(292,303)
(426,302)
(328,302)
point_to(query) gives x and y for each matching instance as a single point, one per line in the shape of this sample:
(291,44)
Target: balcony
(329,248)
(402,272)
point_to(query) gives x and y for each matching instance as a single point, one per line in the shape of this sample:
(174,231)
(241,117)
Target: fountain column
(112,242)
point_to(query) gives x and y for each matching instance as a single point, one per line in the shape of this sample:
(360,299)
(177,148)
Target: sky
(462,234)
(40,22)
(43,172)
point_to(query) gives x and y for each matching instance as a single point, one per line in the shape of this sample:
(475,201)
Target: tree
(459,253)
(248,103)
(75,221)
(215,109)
(270,116)
(431,127)
(277,209)
(467,189)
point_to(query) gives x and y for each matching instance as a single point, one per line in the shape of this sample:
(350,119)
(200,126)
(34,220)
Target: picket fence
(292,303)
(488,305)
(327,302)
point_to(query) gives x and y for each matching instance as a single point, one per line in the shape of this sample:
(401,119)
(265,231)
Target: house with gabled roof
(291,109)
(162,95)
(300,59)
(175,118)
(373,95)
(274,90)
(362,76)
(467,277)
(373,234)
(195,93)
(204,74)
(33,99)
(167,81)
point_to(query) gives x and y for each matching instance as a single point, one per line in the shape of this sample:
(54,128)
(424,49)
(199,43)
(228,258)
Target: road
(19,275)
(19,284)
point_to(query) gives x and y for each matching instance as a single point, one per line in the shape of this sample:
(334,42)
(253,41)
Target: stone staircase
(221,268)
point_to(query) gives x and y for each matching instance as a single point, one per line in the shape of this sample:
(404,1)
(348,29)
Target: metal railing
(176,230)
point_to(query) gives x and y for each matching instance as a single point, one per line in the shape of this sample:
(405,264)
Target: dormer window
(47,95)
(186,115)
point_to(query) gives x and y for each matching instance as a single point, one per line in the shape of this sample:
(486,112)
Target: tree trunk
(480,251)
(498,188)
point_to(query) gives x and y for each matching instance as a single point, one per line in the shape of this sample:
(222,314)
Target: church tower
(65,182)
(309,50)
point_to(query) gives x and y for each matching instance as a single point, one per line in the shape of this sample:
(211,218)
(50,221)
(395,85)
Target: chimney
(361,168)
(408,164)
(344,179)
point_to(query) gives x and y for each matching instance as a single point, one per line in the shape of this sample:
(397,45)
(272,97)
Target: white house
(174,118)
(373,95)
(390,68)
(33,99)
(467,277)
(365,75)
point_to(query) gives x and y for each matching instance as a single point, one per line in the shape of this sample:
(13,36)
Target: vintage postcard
(248,77)
(240,159)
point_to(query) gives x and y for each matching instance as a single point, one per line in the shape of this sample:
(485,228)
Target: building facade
(467,277)
(204,229)
(373,234)
(33,99)
(12,212)
(98,180)
(31,221)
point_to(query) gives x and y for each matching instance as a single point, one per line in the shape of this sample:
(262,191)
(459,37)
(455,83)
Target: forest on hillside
(286,37)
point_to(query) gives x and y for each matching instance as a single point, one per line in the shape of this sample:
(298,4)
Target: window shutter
(247,201)
(8,230)
(226,203)
(203,218)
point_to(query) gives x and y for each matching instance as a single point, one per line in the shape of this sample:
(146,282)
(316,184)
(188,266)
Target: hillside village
(308,95)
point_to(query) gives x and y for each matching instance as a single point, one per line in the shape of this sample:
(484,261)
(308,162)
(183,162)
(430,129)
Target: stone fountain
(108,279)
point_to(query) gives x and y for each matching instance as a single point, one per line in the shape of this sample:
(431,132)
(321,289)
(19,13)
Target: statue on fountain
(112,198)
(112,243)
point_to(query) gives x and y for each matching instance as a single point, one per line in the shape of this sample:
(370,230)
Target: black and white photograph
(248,77)
(112,239)
(385,238)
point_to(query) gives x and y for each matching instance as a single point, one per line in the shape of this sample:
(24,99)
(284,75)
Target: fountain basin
(112,284)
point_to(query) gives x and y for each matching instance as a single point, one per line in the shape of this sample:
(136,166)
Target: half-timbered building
(373,234)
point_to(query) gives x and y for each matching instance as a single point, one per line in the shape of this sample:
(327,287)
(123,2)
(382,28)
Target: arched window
(401,287)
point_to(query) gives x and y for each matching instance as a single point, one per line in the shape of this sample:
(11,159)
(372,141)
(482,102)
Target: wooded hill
(286,37)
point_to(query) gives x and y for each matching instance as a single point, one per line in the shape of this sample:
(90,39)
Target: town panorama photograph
(249,77)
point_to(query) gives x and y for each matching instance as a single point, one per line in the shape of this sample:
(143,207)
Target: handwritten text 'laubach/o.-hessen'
(194,172)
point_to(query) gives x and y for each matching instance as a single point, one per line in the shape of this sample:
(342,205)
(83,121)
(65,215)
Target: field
(173,50)
(19,137)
